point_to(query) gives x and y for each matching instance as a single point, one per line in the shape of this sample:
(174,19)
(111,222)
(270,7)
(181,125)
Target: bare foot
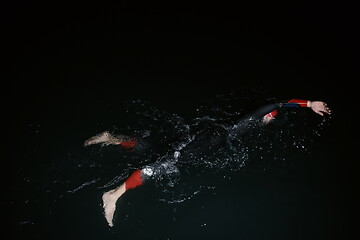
(109,202)
(100,138)
(109,205)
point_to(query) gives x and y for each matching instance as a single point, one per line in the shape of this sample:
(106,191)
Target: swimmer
(265,114)
(318,107)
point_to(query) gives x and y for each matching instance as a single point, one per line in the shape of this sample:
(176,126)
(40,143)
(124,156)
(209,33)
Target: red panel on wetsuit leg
(128,144)
(134,180)
(302,103)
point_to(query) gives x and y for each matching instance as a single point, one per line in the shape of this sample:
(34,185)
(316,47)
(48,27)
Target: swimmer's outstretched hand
(109,202)
(319,107)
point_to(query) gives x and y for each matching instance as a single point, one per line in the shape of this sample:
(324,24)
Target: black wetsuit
(212,137)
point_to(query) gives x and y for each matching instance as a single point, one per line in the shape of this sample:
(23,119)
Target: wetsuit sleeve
(295,103)
(264,110)
(292,103)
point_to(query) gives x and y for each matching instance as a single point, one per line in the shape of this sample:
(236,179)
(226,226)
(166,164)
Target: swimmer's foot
(109,203)
(100,138)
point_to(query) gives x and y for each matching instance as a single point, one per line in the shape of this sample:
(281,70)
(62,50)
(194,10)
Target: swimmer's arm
(318,107)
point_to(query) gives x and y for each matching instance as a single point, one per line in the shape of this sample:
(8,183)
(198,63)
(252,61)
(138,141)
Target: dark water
(129,72)
(276,182)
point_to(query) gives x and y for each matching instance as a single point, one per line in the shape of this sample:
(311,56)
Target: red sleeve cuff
(302,103)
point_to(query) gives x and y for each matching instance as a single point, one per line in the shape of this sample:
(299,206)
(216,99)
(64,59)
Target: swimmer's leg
(136,179)
(110,198)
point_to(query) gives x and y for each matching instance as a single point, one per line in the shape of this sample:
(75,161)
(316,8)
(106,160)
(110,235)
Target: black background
(177,54)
